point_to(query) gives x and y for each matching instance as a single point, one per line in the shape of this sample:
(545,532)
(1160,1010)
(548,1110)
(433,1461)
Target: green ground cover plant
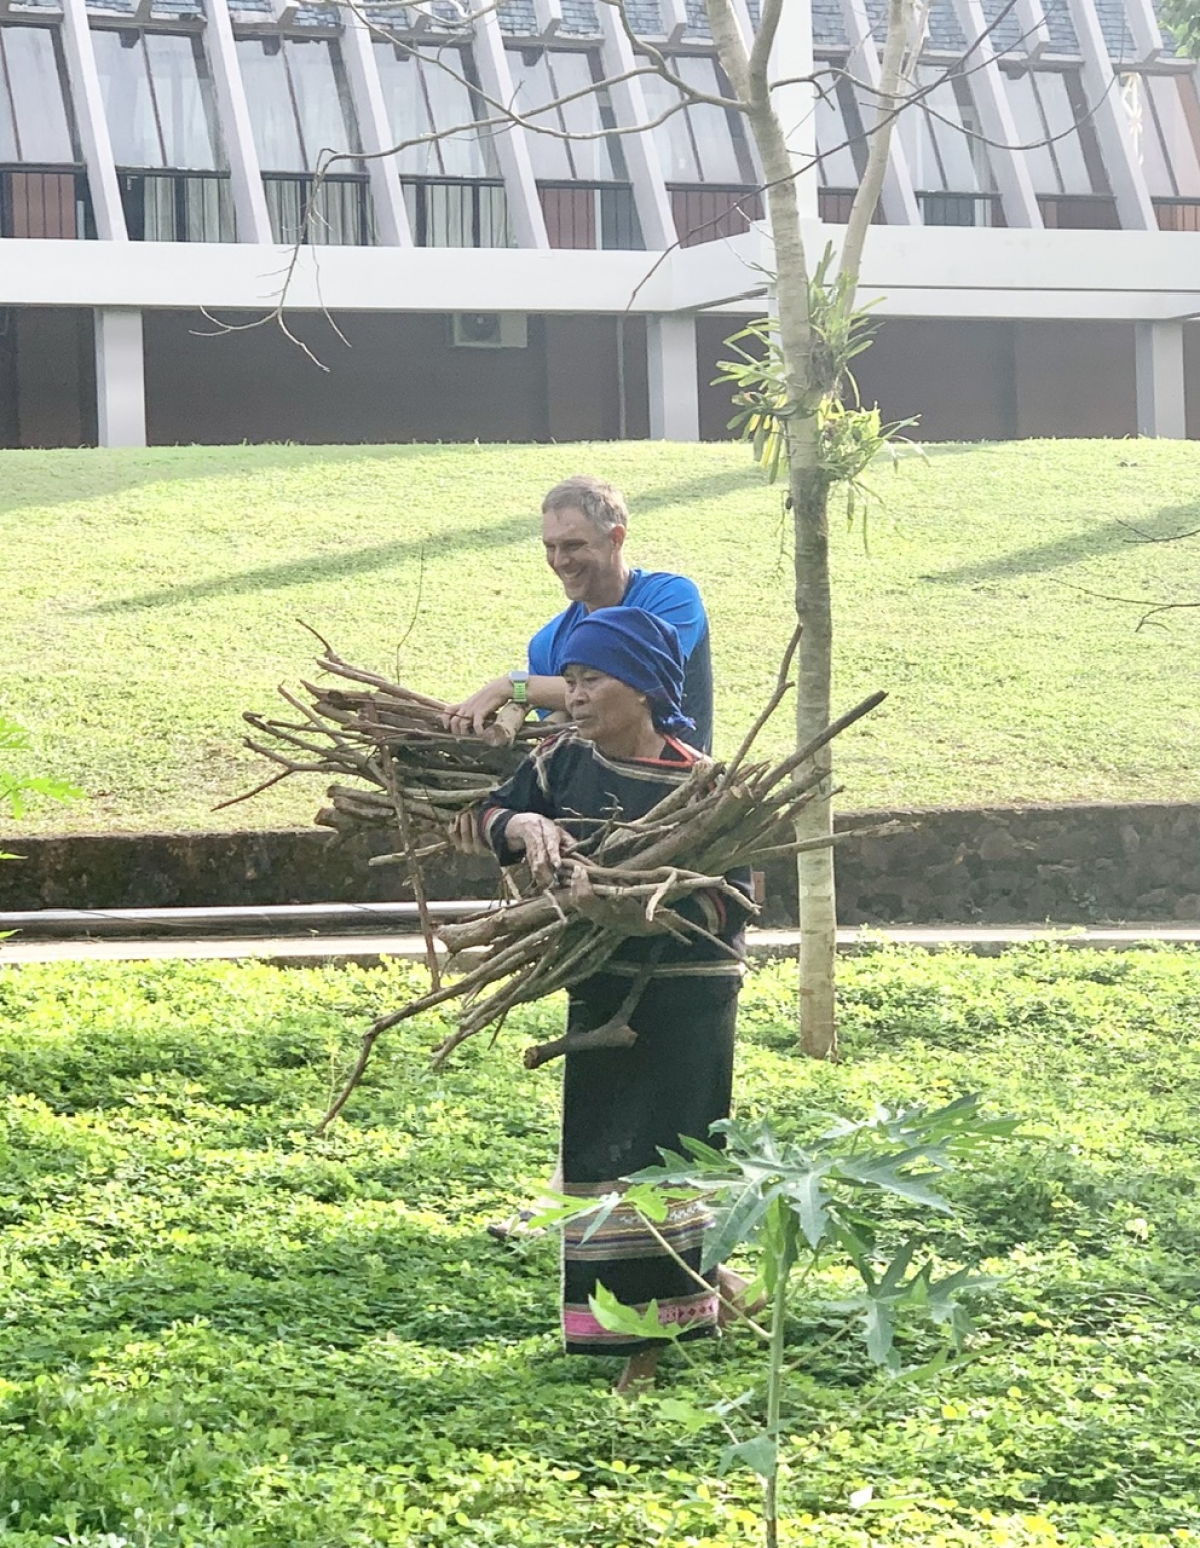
(217,1330)
(150,597)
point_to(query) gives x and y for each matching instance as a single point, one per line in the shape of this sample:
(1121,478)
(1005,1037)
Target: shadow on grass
(1112,537)
(299,572)
(88,472)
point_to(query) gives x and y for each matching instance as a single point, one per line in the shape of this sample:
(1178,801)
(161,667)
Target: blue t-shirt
(674,599)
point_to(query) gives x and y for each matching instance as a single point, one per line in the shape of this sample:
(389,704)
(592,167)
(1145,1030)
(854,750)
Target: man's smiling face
(586,560)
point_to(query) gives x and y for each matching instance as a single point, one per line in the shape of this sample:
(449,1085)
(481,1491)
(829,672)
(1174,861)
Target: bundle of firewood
(392,761)
(721,818)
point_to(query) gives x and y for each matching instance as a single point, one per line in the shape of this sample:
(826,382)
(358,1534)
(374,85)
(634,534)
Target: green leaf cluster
(219,1332)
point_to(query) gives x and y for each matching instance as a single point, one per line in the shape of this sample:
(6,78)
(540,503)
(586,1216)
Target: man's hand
(627,916)
(472,715)
(544,843)
(465,836)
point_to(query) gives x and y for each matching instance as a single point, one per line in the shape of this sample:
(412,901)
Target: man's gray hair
(602,504)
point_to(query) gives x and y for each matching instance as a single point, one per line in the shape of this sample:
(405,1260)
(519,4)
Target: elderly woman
(622,755)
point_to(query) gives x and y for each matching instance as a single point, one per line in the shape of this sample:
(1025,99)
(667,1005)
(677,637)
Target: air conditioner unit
(489,330)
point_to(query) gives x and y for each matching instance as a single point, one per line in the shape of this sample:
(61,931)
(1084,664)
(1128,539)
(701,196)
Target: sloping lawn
(150,597)
(219,1332)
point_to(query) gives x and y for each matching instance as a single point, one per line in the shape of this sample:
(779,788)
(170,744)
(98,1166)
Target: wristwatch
(520,686)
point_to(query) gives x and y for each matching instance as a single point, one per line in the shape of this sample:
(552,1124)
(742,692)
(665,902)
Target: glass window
(272,114)
(543,76)
(582,115)
(698,144)
(1162,133)
(836,167)
(1031,133)
(33,105)
(158,99)
(322,98)
(128,105)
(1065,146)
(299,102)
(961,156)
(672,139)
(533,88)
(422,98)
(711,128)
(184,99)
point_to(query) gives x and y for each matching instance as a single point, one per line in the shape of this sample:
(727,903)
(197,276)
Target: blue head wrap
(639,649)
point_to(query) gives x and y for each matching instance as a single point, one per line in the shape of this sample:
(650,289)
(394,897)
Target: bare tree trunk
(809,489)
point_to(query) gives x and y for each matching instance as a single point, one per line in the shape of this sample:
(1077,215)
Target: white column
(549,17)
(93,126)
(650,196)
(1033,27)
(120,377)
(1143,24)
(791,56)
(358,50)
(512,149)
(996,119)
(1160,380)
(674,377)
(898,199)
(1135,209)
(245,174)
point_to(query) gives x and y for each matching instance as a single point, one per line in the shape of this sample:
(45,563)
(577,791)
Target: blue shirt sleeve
(674,599)
(540,648)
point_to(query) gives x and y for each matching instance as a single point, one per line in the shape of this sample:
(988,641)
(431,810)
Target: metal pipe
(283,918)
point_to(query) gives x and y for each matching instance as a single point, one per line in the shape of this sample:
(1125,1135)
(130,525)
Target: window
(299,101)
(423,98)
(1044,104)
(839,134)
(543,76)
(158,100)
(937,136)
(34,125)
(1161,124)
(701,143)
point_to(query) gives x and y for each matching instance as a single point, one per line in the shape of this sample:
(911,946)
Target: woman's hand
(544,843)
(464,834)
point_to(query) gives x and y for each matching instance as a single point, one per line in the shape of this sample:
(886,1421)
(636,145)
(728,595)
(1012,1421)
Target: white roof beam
(996,120)
(1135,208)
(1035,29)
(366,88)
(795,103)
(93,126)
(549,16)
(650,196)
(898,200)
(512,145)
(675,20)
(245,174)
(1143,24)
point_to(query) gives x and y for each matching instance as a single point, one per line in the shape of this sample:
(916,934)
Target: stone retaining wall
(996,865)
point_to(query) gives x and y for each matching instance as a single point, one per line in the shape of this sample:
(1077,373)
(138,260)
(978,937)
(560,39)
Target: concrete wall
(47,377)
(982,380)
(1001,865)
(1075,379)
(401,379)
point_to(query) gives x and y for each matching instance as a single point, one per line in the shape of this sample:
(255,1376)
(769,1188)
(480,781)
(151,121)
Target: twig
(614,1033)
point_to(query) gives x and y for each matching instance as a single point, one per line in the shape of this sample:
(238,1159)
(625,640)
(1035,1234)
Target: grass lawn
(219,1332)
(150,597)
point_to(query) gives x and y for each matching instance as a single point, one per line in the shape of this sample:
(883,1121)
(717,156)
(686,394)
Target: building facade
(1037,252)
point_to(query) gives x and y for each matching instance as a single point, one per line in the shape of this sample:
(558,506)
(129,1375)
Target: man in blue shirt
(584,522)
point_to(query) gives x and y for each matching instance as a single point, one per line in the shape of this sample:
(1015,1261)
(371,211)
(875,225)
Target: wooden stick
(614,1033)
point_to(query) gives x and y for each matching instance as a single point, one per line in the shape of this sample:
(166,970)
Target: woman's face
(606,710)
